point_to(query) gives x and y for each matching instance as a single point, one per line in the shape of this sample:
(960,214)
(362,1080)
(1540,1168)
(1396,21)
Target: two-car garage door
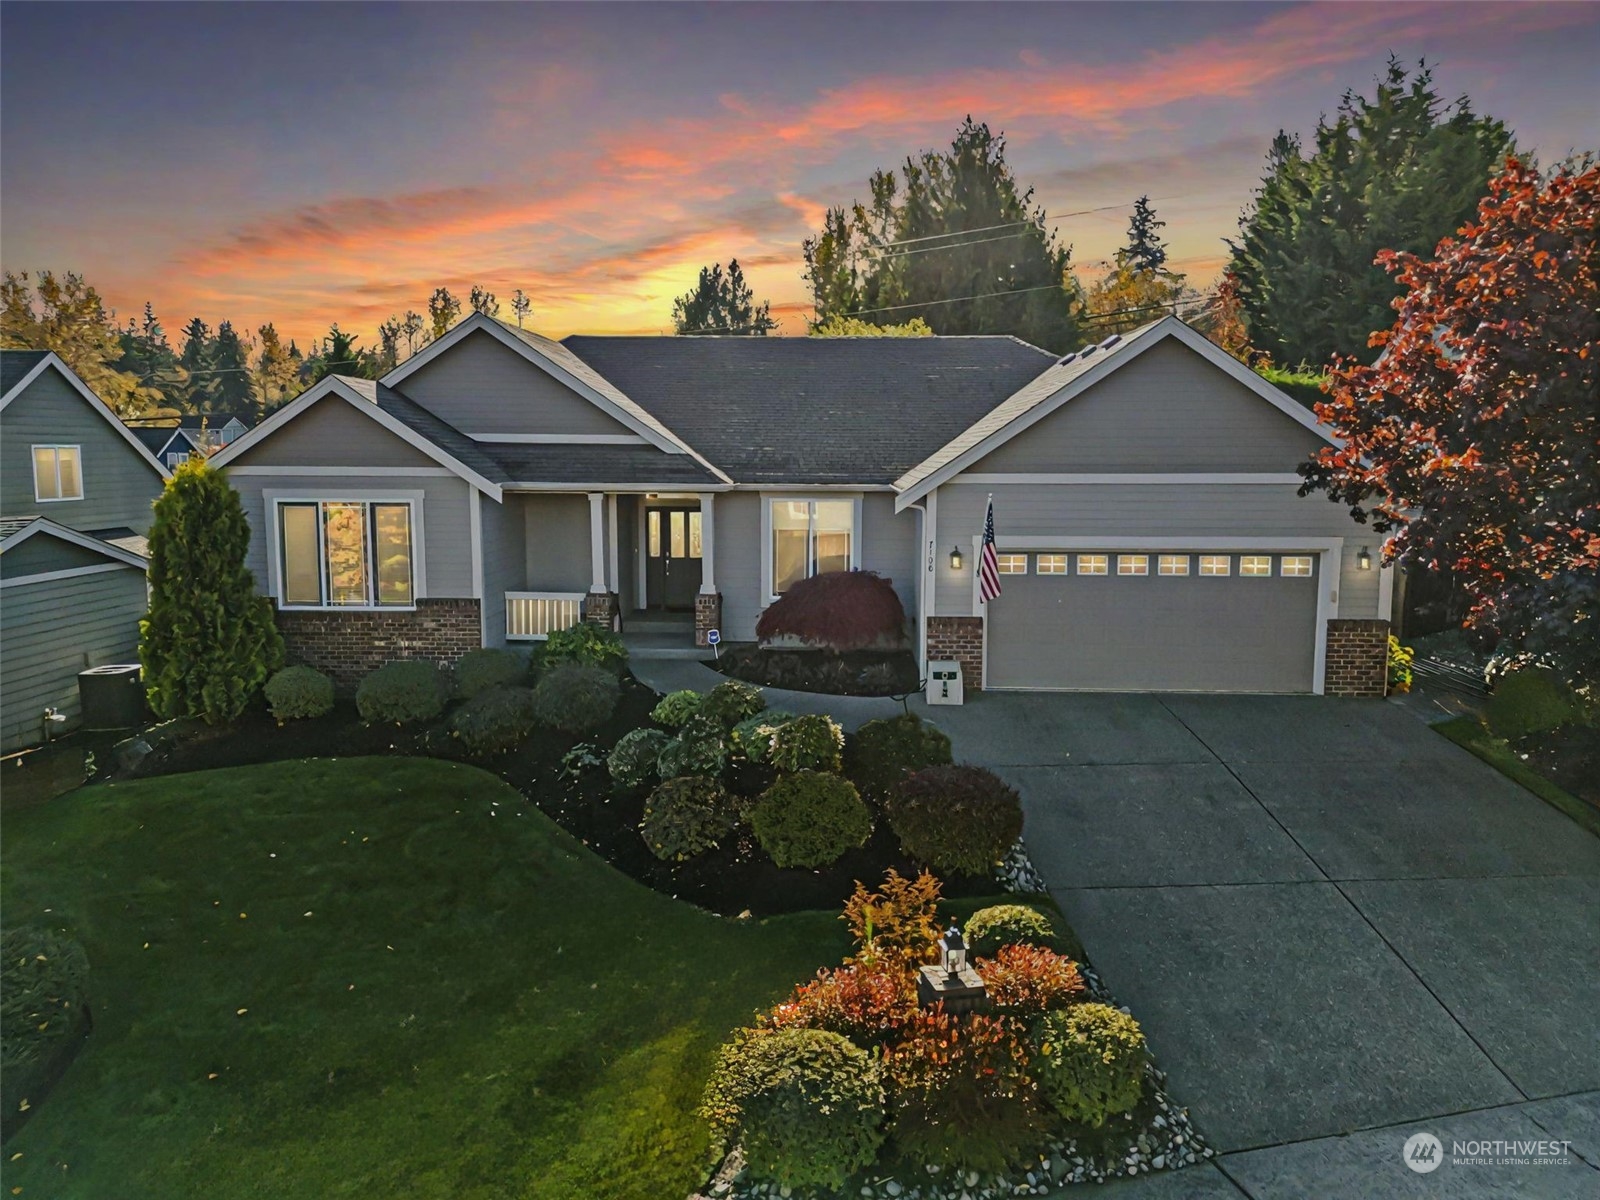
(1148,620)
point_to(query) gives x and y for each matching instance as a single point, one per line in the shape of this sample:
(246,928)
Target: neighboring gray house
(76,489)
(205,434)
(500,484)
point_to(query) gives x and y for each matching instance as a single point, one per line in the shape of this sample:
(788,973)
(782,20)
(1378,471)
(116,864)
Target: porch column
(708,543)
(614,545)
(597,542)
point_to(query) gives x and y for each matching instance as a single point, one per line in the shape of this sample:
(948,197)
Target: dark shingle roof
(153,437)
(814,410)
(14,364)
(597,464)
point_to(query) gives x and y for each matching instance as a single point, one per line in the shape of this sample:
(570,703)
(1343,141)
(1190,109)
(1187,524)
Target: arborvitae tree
(208,642)
(1145,250)
(230,358)
(1396,172)
(722,303)
(443,309)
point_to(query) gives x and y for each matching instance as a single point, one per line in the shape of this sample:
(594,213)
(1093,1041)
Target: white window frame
(1255,560)
(274,500)
(33,466)
(1142,561)
(1098,564)
(768,499)
(1163,561)
(1011,563)
(1209,563)
(1308,561)
(1052,564)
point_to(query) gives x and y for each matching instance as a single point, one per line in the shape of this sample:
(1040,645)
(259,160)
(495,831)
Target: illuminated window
(1295,564)
(56,473)
(345,554)
(1216,564)
(1012,564)
(1092,564)
(809,537)
(1173,564)
(1255,565)
(1051,564)
(1133,564)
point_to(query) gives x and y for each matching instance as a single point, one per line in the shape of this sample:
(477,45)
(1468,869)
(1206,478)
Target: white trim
(66,573)
(1148,477)
(347,472)
(99,405)
(74,537)
(33,466)
(917,482)
(641,559)
(561,439)
(665,491)
(335,386)
(767,501)
(475,532)
(597,543)
(272,498)
(1386,575)
(708,543)
(613,548)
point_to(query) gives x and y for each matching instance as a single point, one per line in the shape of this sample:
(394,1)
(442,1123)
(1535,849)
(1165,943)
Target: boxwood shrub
(1532,700)
(401,692)
(806,1105)
(732,702)
(752,737)
(686,816)
(956,819)
(675,708)
(1089,1062)
(495,720)
(884,752)
(479,670)
(809,743)
(1006,925)
(809,819)
(632,761)
(575,698)
(700,748)
(41,1006)
(296,693)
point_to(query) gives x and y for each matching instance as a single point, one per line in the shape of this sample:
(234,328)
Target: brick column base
(602,609)
(707,615)
(350,645)
(961,639)
(1358,658)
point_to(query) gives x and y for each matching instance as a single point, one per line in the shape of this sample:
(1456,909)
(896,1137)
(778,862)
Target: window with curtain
(56,473)
(345,554)
(810,537)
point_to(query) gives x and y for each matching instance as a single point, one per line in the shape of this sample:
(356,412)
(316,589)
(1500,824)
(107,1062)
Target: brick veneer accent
(350,645)
(1358,658)
(707,615)
(961,639)
(601,608)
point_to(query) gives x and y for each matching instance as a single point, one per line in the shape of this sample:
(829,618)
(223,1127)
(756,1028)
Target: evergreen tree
(208,642)
(340,357)
(1138,289)
(72,320)
(722,302)
(148,356)
(200,394)
(1396,172)
(1145,250)
(443,309)
(236,385)
(953,239)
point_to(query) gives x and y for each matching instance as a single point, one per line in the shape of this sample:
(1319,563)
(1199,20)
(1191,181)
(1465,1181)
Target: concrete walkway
(1336,927)
(680,674)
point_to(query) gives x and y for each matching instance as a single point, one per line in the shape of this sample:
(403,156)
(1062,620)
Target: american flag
(988,564)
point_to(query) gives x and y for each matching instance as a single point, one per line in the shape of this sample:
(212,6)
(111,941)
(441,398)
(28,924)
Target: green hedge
(809,819)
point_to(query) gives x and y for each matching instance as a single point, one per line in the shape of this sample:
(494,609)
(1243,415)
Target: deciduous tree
(443,309)
(65,314)
(842,326)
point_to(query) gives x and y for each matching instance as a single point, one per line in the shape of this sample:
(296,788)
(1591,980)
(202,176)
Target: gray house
(499,485)
(203,435)
(76,489)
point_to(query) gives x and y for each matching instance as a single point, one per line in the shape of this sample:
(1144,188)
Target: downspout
(924,569)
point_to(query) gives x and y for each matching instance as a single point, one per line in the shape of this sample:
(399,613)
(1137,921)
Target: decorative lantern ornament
(953,952)
(955,558)
(951,981)
(1364,560)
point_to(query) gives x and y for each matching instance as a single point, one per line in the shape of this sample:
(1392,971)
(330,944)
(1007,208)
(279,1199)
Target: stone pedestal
(961,993)
(602,609)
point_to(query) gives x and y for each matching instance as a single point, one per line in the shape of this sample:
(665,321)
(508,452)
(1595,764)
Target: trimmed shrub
(839,611)
(1532,700)
(673,709)
(400,692)
(1030,979)
(806,1105)
(809,819)
(1006,925)
(956,818)
(701,748)
(632,761)
(1089,1062)
(41,1006)
(732,702)
(753,737)
(808,743)
(884,752)
(575,698)
(495,720)
(864,1003)
(586,644)
(479,670)
(896,927)
(686,816)
(296,693)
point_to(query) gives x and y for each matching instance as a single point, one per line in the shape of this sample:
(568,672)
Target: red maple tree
(1474,440)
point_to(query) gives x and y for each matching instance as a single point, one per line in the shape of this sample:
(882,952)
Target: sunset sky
(308,163)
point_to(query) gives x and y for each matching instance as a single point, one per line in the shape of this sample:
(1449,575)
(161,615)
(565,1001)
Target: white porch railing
(533,616)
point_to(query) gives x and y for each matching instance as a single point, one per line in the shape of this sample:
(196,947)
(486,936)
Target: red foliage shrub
(1030,979)
(840,611)
(865,1004)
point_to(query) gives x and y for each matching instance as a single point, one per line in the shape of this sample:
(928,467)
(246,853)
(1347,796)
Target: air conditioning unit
(944,683)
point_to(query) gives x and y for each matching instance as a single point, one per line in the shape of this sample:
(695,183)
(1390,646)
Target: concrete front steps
(662,635)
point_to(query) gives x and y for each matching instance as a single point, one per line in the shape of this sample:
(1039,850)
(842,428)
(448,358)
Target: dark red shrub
(957,819)
(840,611)
(864,1004)
(1030,979)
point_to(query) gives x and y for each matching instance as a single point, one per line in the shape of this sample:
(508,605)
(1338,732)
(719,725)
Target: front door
(672,557)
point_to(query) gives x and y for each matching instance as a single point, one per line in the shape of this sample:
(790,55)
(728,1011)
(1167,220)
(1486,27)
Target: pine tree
(208,642)
(200,394)
(236,385)
(1138,289)
(722,302)
(1145,250)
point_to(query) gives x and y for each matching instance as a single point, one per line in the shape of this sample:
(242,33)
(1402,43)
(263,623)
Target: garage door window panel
(1255,566)
(1051,564)
(1011,564)
(1216,565)
(1133,564)
(1173,564)
(1296,565)
(1093,564)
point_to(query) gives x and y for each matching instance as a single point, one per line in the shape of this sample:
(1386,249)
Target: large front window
(346,553)
(810,537)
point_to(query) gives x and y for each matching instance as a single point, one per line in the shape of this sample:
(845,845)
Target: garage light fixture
(955,558)
(1364,560)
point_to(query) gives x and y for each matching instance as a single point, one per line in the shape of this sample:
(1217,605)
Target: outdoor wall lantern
(955,558)
(951,981)
(1364,560)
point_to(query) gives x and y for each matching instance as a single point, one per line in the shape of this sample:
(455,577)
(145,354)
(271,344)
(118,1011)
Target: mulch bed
(737,876)
(857,673)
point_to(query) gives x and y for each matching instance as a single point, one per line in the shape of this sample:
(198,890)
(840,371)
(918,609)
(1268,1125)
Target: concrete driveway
(1337,928)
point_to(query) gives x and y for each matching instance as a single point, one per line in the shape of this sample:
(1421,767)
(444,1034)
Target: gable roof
(16,530)
(19,368)
(1069,377)
(809,410)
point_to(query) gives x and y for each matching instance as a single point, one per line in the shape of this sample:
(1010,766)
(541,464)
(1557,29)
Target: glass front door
(672,557)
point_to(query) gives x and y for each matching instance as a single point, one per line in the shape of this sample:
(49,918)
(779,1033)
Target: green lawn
(1468,733)
(374,978)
